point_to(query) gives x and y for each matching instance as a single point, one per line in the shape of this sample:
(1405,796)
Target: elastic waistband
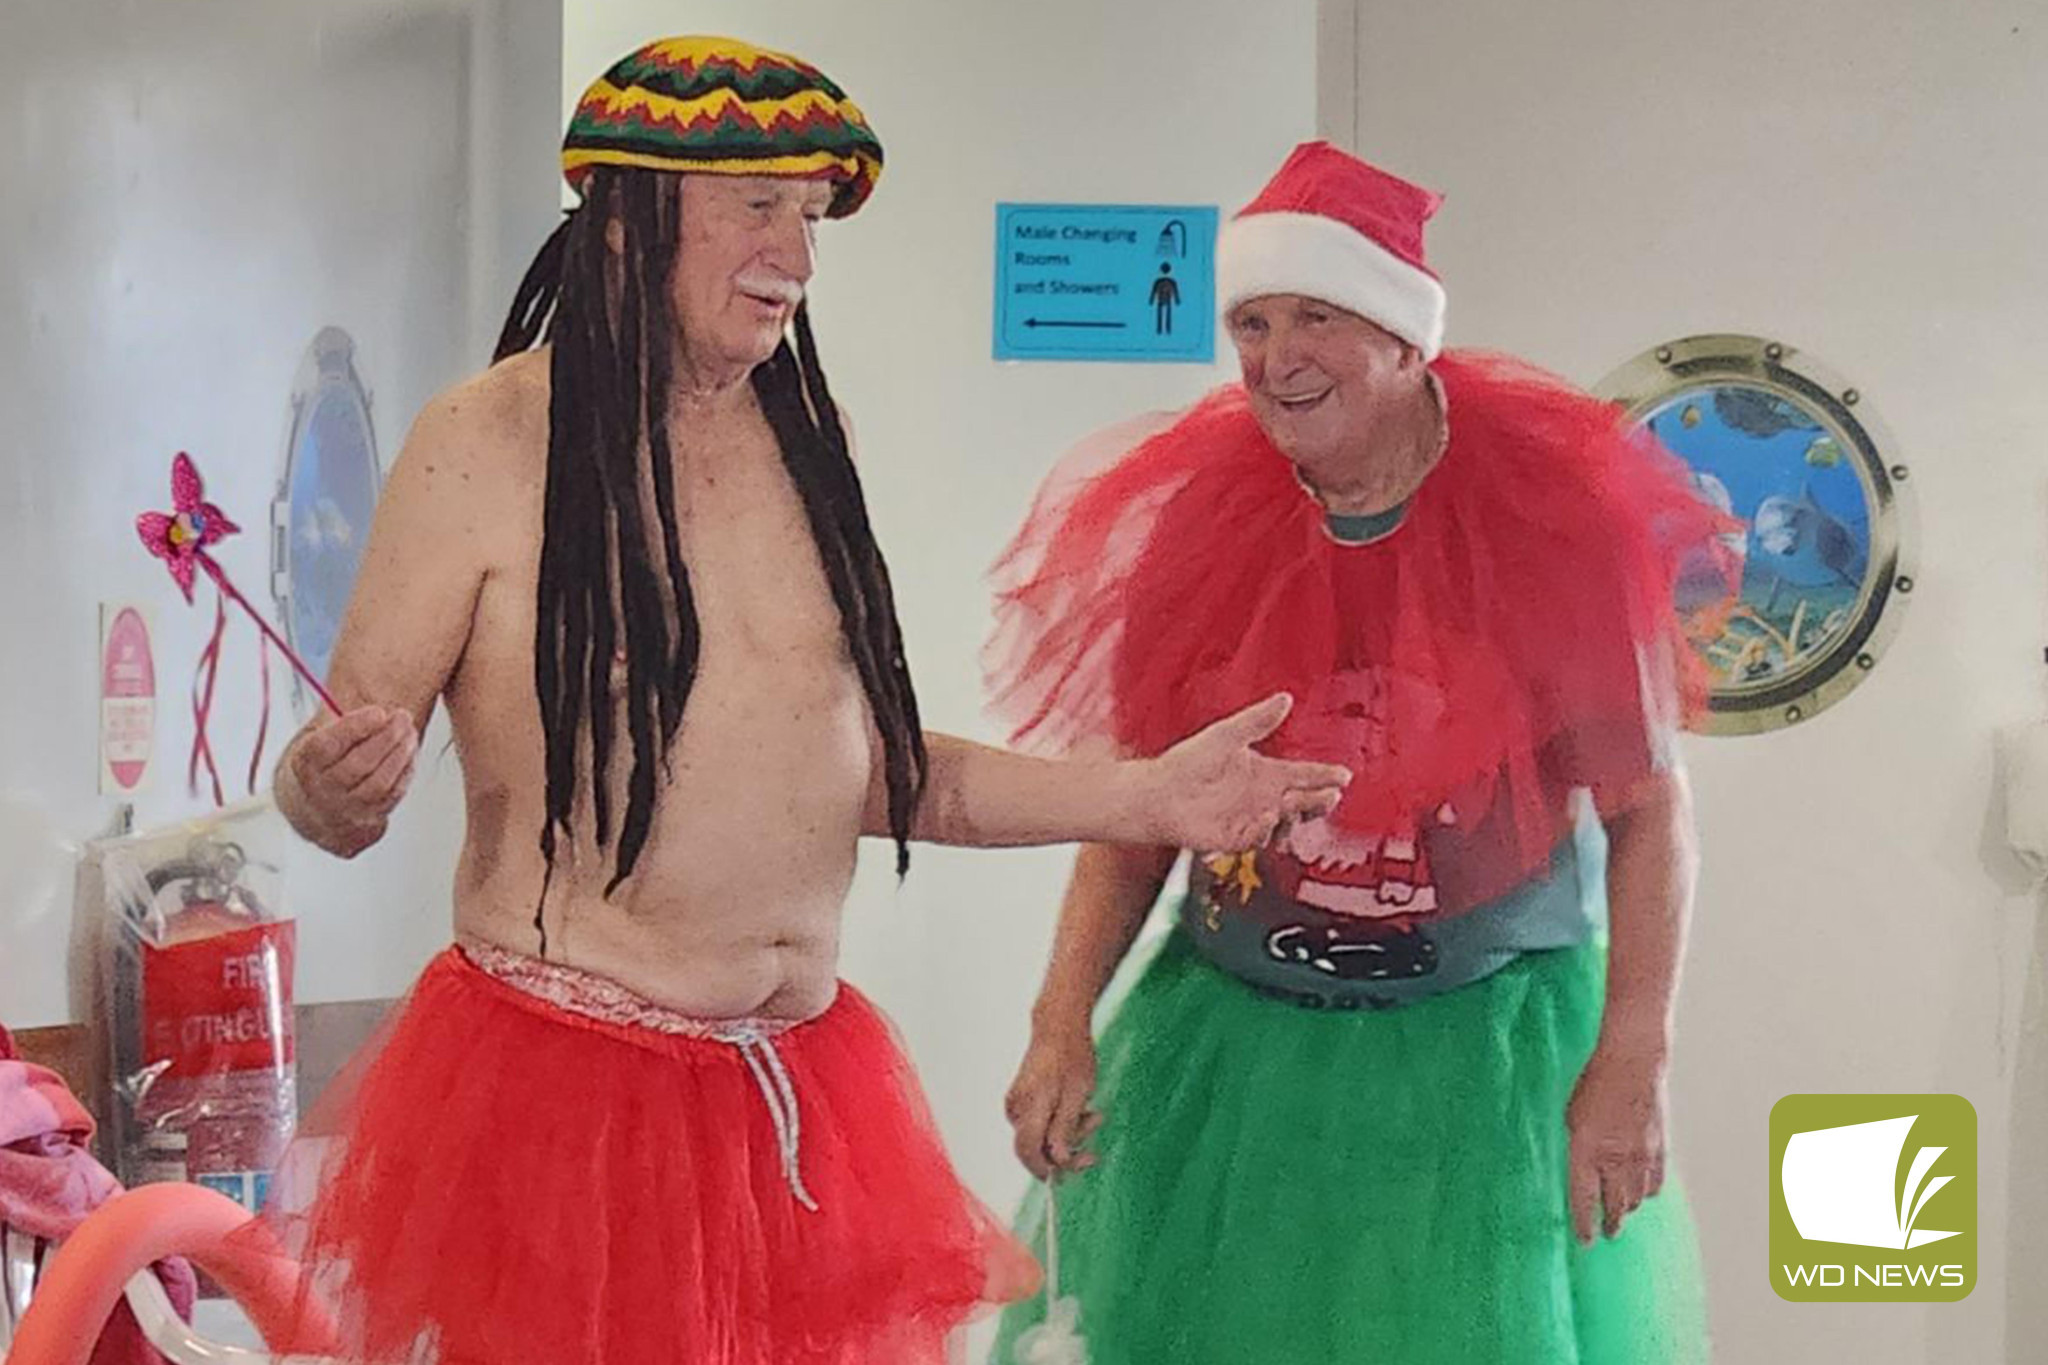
(609,1002)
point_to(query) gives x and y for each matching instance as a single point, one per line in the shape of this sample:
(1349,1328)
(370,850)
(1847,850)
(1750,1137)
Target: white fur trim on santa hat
(1306,253)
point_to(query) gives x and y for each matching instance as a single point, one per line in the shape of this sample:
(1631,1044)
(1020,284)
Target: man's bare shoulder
(474,465)
(495,422)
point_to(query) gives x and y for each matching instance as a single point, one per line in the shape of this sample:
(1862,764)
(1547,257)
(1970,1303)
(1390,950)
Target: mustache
(786,292)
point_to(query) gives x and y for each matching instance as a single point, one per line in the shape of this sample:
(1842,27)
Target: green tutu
(1281,1186)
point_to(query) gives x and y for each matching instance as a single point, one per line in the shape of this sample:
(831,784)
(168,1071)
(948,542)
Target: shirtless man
(639,1046)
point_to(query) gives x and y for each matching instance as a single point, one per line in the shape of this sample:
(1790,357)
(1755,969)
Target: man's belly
(734,905)
(695,962)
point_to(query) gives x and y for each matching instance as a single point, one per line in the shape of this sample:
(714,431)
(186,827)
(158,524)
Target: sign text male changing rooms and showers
(1099,282)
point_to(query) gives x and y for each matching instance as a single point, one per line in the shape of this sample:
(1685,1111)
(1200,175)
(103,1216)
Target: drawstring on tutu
(756,1047)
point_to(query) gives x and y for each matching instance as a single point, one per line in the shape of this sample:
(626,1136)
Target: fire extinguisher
(205,1052)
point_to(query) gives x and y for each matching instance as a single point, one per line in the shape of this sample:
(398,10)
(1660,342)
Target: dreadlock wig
(614,580)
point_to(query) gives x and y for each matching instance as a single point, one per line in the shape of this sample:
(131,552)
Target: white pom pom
(1057,1340)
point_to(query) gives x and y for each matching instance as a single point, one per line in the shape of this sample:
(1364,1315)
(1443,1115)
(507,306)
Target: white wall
(191,193)
(1866,180)
(1063,100)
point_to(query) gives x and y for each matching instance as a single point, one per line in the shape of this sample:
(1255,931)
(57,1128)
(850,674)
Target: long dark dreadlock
(609,317)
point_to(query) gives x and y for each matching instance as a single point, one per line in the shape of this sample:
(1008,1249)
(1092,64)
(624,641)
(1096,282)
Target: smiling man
(1387,1091)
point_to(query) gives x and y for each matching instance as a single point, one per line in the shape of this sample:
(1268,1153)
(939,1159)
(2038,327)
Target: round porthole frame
(331,421)
(1654,382)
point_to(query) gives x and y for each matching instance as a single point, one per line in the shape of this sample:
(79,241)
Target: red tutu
(1513,640)
(513,1179)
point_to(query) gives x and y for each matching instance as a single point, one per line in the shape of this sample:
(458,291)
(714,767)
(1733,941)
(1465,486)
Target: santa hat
(1334,228)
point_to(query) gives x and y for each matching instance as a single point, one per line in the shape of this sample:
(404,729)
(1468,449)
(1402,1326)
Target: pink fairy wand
(181,538)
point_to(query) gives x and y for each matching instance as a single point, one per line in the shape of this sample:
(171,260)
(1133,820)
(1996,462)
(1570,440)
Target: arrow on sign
(1055,322)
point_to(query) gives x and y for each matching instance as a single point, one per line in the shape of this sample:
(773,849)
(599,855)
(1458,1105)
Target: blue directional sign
(1101,282)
